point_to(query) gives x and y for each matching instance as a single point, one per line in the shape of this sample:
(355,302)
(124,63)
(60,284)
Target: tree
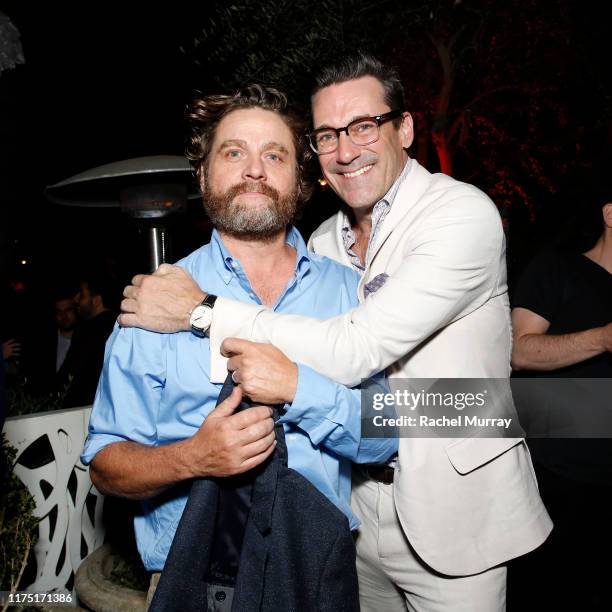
(17,523)
(489,83)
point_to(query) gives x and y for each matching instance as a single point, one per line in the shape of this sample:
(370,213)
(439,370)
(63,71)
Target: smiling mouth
(357,173)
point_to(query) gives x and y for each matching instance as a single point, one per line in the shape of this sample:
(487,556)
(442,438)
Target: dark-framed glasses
(362,131)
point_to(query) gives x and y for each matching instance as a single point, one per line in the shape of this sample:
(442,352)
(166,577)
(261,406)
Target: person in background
(82,366)
(65,314)
(48,348)
(562,328)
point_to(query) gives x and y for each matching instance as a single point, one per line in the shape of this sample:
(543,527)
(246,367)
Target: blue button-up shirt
(155,389)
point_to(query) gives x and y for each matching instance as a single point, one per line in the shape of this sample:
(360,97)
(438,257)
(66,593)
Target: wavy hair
(206,112)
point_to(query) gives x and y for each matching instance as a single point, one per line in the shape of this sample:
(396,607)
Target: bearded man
(154,424)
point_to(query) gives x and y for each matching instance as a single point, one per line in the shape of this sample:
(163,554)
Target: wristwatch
(201,316)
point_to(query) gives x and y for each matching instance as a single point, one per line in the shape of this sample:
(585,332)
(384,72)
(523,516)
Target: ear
(406,129)
(96,300)
(607,214)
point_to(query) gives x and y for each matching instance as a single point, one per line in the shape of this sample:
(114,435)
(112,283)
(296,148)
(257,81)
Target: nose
(347,151)
(254,169)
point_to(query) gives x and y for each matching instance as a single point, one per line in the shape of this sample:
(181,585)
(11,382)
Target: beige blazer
(465,504)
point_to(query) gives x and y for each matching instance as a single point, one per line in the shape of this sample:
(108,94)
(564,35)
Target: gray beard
(244,222)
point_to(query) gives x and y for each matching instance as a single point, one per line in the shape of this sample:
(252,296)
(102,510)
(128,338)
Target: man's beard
(247,222)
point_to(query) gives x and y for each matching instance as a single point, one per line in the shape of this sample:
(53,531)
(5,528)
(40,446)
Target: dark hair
(359,65)
(206,112)
(65,290)
(102,284)
(579,213)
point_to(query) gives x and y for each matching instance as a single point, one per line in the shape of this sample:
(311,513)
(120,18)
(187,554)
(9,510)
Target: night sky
(98,85)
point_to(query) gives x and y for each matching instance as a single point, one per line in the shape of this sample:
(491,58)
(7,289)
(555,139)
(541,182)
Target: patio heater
(147,189)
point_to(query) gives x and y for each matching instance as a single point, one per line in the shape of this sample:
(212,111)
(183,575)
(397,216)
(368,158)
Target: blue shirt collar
(231,264)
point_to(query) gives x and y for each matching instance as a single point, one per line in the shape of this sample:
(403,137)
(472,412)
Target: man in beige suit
(438,523)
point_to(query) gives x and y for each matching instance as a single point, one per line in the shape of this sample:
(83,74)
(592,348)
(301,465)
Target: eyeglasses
(362,132)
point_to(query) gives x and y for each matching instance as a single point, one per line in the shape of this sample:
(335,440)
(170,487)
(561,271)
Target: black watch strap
(209,300)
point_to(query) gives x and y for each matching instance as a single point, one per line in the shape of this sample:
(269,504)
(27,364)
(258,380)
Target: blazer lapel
(330,242)
(414,186)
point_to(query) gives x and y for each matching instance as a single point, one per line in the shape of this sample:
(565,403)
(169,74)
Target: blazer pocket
(468,454)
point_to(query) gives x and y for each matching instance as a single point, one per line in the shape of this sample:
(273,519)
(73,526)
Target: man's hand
(161,301)
(227,443)
(264,373)
(11,348)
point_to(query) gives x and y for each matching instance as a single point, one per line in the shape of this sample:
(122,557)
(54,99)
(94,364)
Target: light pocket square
(375,284)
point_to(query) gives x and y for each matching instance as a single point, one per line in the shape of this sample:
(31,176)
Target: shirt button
(220,595)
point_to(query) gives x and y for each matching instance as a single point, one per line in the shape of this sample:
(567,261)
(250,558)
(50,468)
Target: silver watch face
(201,317)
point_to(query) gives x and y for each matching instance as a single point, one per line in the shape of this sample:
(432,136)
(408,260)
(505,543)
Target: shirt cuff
(231,319)
(94,444)
(314,404)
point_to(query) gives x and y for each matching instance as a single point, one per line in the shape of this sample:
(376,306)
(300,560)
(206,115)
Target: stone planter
(95,589)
